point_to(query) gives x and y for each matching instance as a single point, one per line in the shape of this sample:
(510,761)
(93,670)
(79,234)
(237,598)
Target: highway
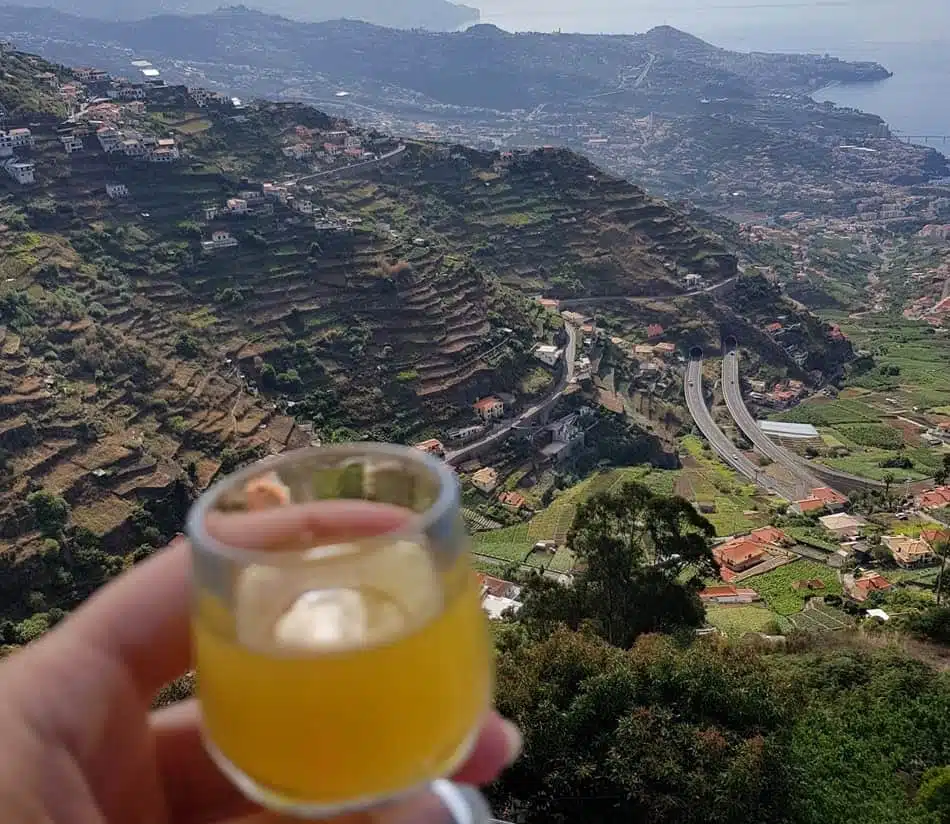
(809,475)
(732,391)
(718,440)
(496,437)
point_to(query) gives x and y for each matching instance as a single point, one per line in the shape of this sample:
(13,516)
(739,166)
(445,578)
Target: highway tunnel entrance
(696,353)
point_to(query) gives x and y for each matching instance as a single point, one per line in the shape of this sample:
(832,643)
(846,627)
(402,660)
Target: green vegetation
(873,434)
(735,621)
(777,586)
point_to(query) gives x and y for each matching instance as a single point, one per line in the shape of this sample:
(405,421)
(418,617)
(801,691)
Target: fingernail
(514,740)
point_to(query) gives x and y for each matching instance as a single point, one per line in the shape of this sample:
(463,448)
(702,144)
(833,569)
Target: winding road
(718,440)
(494,438)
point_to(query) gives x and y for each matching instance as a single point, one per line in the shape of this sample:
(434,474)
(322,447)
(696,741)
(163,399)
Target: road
(493,439)
(364,164)
(718,440)
(732,392)
(708,290)
(808,475)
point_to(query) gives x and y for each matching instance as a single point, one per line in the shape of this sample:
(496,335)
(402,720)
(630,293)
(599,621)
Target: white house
(547,354)
(486,479)
(298,151)
(305,207)
(220,239)
(133,148)
(71,143)
(109,138)
(163,155)
(16,139)
(211,212)
(20,171)
(116,191)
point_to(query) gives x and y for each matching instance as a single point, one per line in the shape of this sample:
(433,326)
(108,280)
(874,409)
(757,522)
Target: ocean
(909,37)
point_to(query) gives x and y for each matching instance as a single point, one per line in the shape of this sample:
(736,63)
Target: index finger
(142,619)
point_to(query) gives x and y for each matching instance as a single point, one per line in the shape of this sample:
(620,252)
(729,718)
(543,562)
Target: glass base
(436,802)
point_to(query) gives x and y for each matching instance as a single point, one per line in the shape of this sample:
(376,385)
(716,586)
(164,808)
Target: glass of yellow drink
(343,659)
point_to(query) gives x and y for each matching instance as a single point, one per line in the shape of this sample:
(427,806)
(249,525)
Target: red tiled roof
(487,403)
(727,592)
(931,536)
(767,535)
(739,552)
(810,504)
(828,495)
(515,499)
(870,583)
(654,330)
(936,497)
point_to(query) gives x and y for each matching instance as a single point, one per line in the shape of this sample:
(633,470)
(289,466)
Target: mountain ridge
(426,14)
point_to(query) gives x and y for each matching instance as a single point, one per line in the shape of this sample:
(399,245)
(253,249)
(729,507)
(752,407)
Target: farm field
(705,479)
(735,621)
(776,587)
(513,544)
(819,617)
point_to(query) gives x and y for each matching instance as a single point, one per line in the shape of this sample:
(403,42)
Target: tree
(941,550)
(888,479)
(614,736)
(51,512)
(633,547)
(943,473)
(934,793)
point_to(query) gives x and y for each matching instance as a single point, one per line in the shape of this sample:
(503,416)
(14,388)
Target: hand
(80,744)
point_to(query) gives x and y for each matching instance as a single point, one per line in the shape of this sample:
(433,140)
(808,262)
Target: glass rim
(421,524)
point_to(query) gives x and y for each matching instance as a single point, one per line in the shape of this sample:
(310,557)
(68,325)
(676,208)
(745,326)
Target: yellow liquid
(338,723)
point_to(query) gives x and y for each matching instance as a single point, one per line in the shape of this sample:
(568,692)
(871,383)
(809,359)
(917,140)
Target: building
(71,143)
(237,206)
(133,147)
(728,595)
(117,190)
(654,331)
(643,350)
(166,151)
(489,409)
(465,434)
(793,431)
(665,350)
(431,447)
(486,479)
(16,139)
(868,583)
(515,500)
(305,207)
(935,536)
(806,505)
(820,498)
(935,498)
(21,171)
(110,138)
(843,525)
(498,596)
(220,239)
(547,354)
(739,554)
(909,553)
(549,303)
(90,75)
(298,151)
(770,535)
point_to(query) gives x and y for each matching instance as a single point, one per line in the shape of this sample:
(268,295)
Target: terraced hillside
(156,336)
